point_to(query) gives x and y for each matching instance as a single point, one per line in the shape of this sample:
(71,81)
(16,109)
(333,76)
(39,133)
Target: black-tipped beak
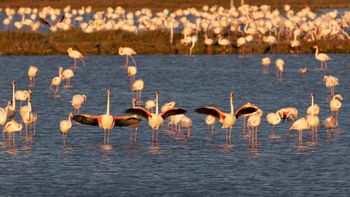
(284,118)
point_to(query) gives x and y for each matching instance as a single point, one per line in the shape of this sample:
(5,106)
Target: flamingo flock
(216,23)
(236,26)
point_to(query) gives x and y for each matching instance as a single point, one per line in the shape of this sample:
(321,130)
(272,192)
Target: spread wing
(245,110)
(121,121)
(61,19)
(86,119)
(210,111)
(172,112)
(44,21)
(140,111)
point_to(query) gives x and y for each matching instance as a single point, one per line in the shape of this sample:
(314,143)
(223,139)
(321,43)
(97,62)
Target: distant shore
(152,42)
(157,5)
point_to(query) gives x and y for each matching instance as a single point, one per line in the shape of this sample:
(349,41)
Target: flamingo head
(13,82)
(71,114)
(69,50)
(120,50)
(109,91)
(284,116)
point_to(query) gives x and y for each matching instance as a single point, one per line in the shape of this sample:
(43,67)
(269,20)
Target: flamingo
(27,115)
(335,104)
(227,119)
(279,68)
(323,58)
(175,121)
(128,52)
(330,123)
(155,120)
(331,82)
(106,121)
(247,110)
(253,123)
(185,122)
(22,95)
(56,81)
(289,113)
(210,121)
(273,119)
(32,73)
(312,118)
(3,118)
(10,128)
(302,70)
(65,126)
(266,61)
(67,74)
(314,109)
(208,42)
(149,105)
(300,125)
(138,86)
(77,101)
(11,106)
(75,55)
(132,70)
(223,41)
(51,25)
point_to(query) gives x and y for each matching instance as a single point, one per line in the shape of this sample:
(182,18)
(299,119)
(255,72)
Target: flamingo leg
(226,135)
(82,60)
(130,136)
(126,61)
(230,135)
(104,136)
(135,136)
(133,60)
(152,136)
(56,92)
(75,62)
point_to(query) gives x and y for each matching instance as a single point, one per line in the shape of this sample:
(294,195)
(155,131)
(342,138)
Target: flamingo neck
(157,104)
(13,96)
(108,103)
(312,105)
(231,103)
(316,52)
(69,118)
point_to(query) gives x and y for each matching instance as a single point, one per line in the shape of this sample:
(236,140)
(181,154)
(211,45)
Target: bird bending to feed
(128,52)
(323,58)
(331,82)
(302,70)
(138,86)
(273,119)
(266,61)
(210,121)
(279,68)
(106,121)
(56,81)
(32,73)
(22,95)
(65,126)
(330,124)
(76,55)
(77,101)
(10,128)
(67,74)
(289,113)
(155,120)
(132,70)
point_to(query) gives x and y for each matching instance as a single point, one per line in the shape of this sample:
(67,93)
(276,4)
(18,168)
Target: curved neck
(231,103)
(316,52)
(69,118)
(108,103)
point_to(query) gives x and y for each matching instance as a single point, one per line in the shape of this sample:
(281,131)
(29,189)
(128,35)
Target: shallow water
(203,166)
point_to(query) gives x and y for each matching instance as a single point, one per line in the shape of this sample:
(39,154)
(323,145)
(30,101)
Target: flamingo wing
(172,112)
(139,111)
(86,119)
(245,110)
(210,111)
(121,121)
(61,19)
(44,21)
